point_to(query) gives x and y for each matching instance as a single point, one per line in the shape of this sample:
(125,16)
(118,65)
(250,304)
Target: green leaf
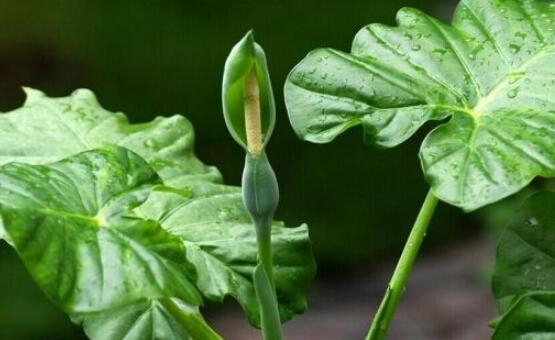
(72,224)
(524,275)
(245,56)
(526,252)
(221,243)
(532,316)
(492,72)
(48,129)
(145,320)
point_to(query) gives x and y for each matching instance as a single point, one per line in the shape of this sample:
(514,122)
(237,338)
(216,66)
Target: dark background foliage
(149,58)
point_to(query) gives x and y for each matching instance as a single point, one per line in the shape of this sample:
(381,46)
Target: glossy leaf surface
(167,145)
(491,72)
(49,129)
(72,224)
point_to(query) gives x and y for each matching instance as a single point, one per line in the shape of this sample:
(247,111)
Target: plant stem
(396,287)
(265,284)
(264,240)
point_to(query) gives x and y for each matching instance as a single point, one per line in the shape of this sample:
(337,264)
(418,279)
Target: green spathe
(245,56)
(491,72)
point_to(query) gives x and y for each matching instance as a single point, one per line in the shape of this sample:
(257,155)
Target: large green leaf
(48,129)
(221,243)
(30,135)
(524,275)
(72,224)
(492,71)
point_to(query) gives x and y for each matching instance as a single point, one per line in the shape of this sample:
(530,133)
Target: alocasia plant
(124,229)
(491,73)
(524,275)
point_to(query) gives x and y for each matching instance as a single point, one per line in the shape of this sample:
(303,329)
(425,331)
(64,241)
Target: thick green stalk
(264,241)
(396,287)
(265,285)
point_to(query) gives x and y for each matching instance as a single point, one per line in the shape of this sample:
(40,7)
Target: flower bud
(260,189)
(248,101)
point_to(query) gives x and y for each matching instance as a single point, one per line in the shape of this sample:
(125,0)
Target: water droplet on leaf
(512,93)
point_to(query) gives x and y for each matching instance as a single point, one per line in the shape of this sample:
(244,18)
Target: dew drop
(532,221)
(515,76)
(150,143)
(440,51)
(512,93)
(521,35)
(514,48)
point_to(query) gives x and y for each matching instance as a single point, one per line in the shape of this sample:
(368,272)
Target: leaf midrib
(479,108)
(60,213)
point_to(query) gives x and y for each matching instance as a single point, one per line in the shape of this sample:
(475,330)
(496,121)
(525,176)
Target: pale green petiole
(398,282)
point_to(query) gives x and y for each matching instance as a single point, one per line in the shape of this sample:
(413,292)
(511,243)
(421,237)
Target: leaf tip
(31,94)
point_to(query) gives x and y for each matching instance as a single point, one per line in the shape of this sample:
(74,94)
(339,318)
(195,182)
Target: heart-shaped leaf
(492,71)
(524,275)
(49,129)
(72,224)
(221,243)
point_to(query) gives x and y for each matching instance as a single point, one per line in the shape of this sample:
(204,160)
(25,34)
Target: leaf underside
(491,72)
(524,275)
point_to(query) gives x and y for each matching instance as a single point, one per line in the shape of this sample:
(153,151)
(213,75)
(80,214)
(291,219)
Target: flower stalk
(249,113)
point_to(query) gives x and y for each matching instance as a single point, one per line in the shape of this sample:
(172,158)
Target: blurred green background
(149,58)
